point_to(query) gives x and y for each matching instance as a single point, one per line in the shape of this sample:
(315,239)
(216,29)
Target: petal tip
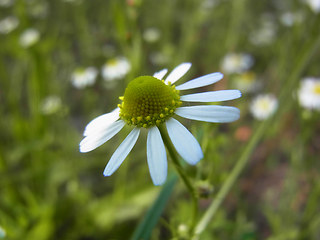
(159,182)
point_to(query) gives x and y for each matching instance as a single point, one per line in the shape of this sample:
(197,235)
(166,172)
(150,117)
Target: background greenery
(48,190)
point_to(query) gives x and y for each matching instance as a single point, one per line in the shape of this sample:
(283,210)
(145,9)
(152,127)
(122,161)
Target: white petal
(209,113)
(156,156)
(98,138)
(160,74)
(184,142)
(215,96)
(101,122)
(178,72)
(122,152)
(201,81)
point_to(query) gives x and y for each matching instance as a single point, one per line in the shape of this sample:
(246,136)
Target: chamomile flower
(314,5)
(151,103)
(6,3)
(2,232)
(29,37)
(246,82)
(309,93)
(263,106)
(236,62)
(116,68)
(84,77)
(8,24)
(265,34)
(151,34)
(289,19)
(51,105)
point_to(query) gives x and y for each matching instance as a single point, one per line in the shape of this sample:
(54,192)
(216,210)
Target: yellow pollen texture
(147,101)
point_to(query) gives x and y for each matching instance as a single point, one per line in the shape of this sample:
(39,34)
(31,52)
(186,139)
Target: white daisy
(288,19)
(236,62)
(6,3)
(246,82)
(51,105)
(263,106)
(309,93)
(29,37)
(208,4)
(8,24)
(264,34)
(151,34)
(82,78)
(115,68)
(2,232)
(150,103)
(314,5)
(159,58)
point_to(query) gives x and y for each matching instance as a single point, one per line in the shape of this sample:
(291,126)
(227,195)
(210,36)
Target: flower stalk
(186,180)
(305,56)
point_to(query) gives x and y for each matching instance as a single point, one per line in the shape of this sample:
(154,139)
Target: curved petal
(101,122)
(215,96)
(209,113)
(160,74)
(201,81)
(178,72)
(156,156)
(95,140)
(184,142)
(122,152)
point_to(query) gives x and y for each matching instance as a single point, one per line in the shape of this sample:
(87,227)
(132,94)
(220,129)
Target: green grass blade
(145,227)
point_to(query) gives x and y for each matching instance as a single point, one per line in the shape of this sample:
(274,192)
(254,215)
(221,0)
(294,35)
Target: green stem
(305,56)
(205,220)
(183,176)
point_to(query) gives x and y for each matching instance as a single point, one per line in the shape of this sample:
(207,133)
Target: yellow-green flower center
(317,89)
(147,101)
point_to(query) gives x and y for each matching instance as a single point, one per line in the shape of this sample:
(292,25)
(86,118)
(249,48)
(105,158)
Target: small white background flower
(8,24)
(6,3)
(246,82)
(82,78)
(314,5)
(29,37)
(115,68)
(51,105)
(263,106)
(309,93)
(151,34)
(236,63)
(2,233)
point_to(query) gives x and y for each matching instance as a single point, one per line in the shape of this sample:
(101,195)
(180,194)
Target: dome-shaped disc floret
(147,102)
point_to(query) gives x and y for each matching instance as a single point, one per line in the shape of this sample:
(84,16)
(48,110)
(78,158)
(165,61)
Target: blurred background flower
(8,24)
(29,37)
(151,35)
(309,93)
(246,82)
(115,68)
(263,106)
(2,232)
(314,5)
(6,3)
(236,63)
(51,105)
(84,77)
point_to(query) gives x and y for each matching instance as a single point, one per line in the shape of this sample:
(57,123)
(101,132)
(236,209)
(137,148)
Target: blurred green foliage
(48,190)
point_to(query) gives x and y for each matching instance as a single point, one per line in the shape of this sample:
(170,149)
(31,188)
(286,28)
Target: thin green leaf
(145,227)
